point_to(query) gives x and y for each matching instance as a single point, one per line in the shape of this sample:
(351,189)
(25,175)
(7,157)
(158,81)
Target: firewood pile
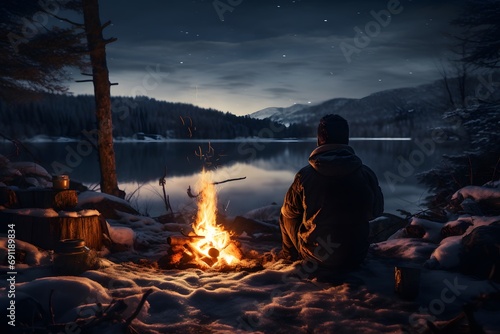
(193,251)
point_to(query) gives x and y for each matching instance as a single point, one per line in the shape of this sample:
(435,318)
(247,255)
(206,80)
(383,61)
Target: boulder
(458,228)
(481,252)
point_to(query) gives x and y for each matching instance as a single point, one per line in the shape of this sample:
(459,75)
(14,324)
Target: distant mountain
(394,112)
(277,113)
(296,114)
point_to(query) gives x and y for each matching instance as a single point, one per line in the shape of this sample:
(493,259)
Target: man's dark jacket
(325,213)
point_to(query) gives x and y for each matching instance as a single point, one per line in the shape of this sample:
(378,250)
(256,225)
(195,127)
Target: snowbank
(277,297)
(122,235)
(87,197)
(50,213)
(33,256)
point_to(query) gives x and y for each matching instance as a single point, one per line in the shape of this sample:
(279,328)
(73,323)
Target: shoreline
(43,139)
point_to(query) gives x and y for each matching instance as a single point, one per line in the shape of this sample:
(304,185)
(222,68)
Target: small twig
(80,25)
(19,145)
(114,308)
(495,169)
(471,177)
(107,24)
(139,307)
(51,309)
(166,198)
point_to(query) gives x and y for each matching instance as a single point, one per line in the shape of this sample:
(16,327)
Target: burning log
(182,240)
(210,260)
(234,251)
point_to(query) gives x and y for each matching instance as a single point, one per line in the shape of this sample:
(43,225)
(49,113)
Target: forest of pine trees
(69,116)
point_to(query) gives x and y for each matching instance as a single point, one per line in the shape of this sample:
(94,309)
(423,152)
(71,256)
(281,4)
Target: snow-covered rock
(122,235)
(23,173)
(432,229)
(447,255)
(478,194)
(33,255)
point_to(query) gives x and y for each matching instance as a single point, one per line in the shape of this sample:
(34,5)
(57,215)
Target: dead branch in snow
(192,195)
(111,315)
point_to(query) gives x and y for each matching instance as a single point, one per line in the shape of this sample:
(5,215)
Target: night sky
(271,53)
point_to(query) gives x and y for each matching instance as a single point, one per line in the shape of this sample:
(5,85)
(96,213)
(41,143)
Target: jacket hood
(334,160)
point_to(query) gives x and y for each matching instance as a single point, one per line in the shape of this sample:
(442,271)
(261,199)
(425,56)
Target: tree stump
(45,232)
(47,198)
(8,198)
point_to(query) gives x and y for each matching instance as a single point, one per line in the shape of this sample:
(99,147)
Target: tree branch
(79,25)
(139,307)
(105,25)
(110,40)
(229,180)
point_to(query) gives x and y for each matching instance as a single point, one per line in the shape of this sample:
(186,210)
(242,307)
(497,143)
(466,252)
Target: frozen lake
(269,168)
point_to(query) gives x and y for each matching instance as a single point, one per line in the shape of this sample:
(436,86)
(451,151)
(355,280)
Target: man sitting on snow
(325,214)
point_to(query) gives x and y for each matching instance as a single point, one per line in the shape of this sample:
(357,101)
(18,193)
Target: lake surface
(269,168)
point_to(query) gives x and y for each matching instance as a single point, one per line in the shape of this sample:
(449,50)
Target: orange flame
(215,237)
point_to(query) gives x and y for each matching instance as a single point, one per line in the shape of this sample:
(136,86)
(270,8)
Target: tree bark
(100,74)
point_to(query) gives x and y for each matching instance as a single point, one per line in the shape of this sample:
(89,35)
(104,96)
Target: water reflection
(269,168)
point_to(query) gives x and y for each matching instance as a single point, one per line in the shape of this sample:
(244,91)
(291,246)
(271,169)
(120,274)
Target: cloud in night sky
(269,53)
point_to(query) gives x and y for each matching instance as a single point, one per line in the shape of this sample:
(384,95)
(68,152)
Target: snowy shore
(275,297)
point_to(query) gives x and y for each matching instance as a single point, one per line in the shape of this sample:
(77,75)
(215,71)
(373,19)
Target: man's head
(333,129)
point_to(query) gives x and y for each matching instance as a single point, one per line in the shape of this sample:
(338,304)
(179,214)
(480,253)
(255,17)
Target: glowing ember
(216,247)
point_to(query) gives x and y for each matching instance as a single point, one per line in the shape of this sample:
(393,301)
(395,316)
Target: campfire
(209,245)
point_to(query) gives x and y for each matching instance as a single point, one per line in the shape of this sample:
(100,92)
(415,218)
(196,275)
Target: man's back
(325,214)
(339,195)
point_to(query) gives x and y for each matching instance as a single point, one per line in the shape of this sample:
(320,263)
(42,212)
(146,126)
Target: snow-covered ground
(278,297)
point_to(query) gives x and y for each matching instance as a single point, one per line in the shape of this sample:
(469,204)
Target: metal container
(71,257)
(60,182)
(407,281)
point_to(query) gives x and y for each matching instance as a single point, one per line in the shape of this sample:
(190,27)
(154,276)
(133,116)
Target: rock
(459,228)
(415,231)
(481,252)
(383,227)
(476,199)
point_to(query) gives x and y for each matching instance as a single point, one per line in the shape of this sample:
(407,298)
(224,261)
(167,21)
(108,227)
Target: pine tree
(479,118)
(480,33)
(36,48)
(35,53)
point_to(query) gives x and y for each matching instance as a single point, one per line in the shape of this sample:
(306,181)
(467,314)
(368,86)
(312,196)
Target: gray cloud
(263,55)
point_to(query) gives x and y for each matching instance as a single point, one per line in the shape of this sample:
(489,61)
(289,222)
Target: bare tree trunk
(462,71)
(100,74)
(448,90)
